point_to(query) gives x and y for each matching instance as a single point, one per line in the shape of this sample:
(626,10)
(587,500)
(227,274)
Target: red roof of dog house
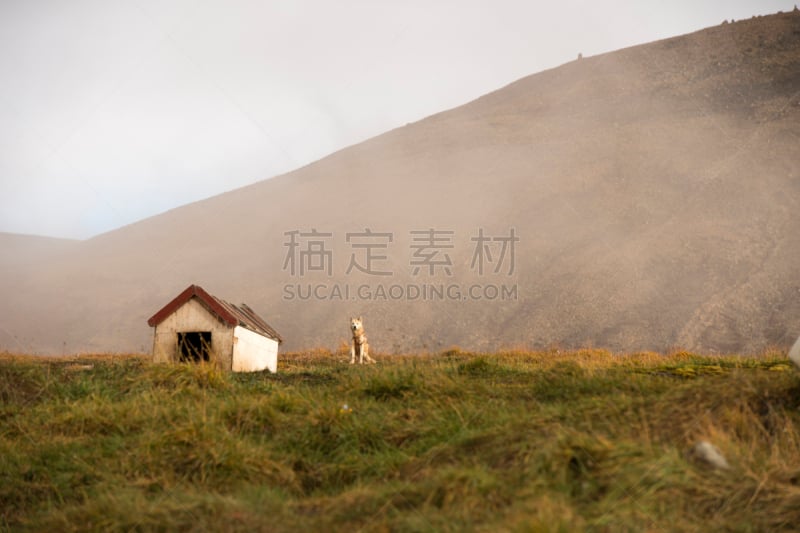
(230,314)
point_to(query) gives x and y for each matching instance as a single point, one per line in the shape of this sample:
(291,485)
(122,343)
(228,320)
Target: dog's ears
(360,319)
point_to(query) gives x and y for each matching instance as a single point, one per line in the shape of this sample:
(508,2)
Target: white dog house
(197,327)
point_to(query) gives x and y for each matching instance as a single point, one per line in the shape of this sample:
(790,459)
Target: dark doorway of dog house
(194,346)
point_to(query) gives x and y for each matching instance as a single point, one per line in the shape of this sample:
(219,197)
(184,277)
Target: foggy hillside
(655,193)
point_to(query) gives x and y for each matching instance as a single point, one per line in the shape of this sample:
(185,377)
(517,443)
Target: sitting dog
(359,345)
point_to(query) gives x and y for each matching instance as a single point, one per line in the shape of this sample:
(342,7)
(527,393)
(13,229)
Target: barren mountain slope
(655,192)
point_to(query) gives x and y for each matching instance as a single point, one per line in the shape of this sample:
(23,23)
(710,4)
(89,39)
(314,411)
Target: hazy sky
(113,111)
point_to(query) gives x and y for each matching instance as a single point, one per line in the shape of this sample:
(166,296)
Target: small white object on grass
(794,353)
(709,454)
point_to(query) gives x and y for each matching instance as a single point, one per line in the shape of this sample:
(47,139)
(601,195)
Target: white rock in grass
(794,353)
(709,454)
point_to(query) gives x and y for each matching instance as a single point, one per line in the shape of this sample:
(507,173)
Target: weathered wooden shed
(196,326)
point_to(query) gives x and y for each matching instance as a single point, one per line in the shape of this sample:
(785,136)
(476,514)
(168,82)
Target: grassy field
(582,441)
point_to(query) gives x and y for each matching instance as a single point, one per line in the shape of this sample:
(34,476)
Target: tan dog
(359,345)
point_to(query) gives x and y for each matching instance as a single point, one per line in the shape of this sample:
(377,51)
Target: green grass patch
(517,441)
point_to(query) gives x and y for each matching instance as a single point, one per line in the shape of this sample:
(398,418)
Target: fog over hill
(654,192)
